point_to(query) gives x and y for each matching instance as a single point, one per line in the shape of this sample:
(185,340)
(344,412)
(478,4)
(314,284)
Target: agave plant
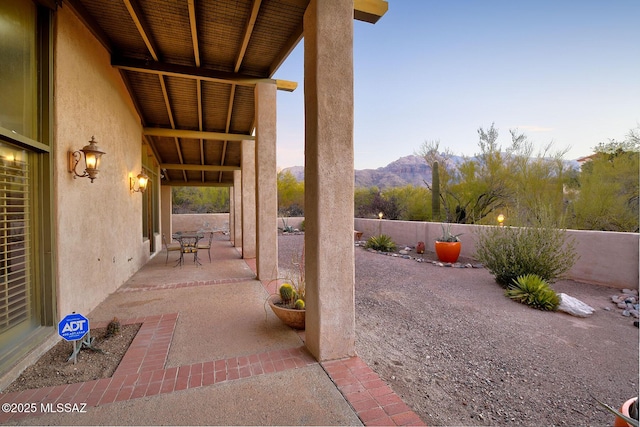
(382,243)
(532,290)
(447,236)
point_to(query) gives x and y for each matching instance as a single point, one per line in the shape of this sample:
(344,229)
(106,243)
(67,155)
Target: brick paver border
(142,373)
(369,396)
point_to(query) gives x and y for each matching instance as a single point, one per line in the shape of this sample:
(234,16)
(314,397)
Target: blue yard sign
(73,327)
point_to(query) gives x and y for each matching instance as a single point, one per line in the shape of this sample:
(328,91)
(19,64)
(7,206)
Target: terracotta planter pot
(448,251)
(619,422)
(290,317)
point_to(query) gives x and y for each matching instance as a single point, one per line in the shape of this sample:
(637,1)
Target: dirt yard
(460,353)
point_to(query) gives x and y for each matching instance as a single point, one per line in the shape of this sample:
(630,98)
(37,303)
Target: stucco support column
(266,181)
(248,189)
(166,200)
(236,198)
(329,257)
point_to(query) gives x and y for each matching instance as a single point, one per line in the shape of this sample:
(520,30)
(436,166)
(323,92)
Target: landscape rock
(574,306)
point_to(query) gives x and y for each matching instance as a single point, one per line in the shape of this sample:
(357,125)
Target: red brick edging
(142,373)
(372,399)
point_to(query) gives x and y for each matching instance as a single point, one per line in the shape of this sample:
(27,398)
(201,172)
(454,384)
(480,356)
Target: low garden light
(380,215)
(500,220)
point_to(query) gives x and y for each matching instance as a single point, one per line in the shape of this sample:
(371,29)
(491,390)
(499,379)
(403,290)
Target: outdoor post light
(142,180)
(380,215)
(92,154)
(500,219)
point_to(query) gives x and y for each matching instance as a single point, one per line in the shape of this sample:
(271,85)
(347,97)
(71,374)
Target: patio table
(188,245)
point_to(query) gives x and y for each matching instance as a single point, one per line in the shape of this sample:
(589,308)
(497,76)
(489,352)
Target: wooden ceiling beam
(197,184)
(137,15)
(205,168)
(369,10)
(195,134)
(363,10)
(248,31)
(187,72)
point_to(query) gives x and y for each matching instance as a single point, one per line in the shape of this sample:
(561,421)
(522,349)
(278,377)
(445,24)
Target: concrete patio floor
(208,353)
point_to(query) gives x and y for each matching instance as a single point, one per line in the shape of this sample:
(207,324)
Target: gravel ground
(459,352)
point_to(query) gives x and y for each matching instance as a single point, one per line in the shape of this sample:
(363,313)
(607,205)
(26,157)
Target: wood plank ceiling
(191,67)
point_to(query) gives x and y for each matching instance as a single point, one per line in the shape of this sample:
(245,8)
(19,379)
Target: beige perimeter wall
(99,224)
(605,258)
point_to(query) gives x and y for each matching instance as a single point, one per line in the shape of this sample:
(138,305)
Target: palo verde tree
(290,195)
(609,187)
(497,179)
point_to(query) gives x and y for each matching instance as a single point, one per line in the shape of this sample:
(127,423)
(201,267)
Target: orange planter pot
(619,422)
(448,251)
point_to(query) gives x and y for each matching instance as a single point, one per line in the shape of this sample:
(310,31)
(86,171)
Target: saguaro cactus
(435,192)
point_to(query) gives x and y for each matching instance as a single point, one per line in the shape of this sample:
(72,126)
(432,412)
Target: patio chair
(170,248)
(207,245)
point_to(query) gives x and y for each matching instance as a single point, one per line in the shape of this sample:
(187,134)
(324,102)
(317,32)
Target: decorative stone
(622,305)
(404,252)
(574,306)
(615,299)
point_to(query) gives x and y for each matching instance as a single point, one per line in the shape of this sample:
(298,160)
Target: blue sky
(561,71)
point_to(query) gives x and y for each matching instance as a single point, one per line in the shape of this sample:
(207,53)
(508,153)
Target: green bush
(533,291)
(510,252)
(382,243)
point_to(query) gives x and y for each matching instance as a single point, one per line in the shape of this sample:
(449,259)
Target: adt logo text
(73,327)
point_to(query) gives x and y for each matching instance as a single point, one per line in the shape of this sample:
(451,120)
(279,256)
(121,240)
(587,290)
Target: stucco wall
(99,224)
(605,258)
(192,222)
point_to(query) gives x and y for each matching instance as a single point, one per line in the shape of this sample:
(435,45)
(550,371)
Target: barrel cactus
(287,292)
(299,305)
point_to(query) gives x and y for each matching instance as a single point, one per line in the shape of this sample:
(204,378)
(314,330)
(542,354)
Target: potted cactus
(448,245)
(289,303)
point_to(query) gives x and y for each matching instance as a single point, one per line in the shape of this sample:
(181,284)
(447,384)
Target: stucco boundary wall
(217,222)
(605,258)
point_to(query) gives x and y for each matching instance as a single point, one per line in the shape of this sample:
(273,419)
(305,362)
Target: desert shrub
(382,243)
(510,252)
(533,291)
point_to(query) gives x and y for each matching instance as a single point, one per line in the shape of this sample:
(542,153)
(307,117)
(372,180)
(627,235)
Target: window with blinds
(15,259)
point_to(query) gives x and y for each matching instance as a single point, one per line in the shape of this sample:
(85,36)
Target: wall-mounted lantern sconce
(92,154)
(142,180)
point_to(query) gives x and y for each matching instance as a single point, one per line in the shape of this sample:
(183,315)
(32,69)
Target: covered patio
(182,92)
(209,354)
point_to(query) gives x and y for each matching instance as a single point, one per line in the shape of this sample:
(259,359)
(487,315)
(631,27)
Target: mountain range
(406,170)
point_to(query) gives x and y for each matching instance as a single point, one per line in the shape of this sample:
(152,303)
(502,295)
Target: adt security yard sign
(73,327)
